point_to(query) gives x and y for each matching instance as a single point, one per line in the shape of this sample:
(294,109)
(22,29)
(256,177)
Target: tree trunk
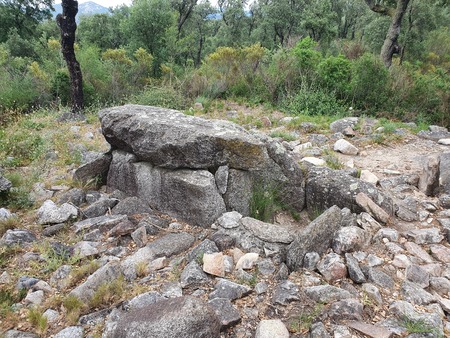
(67,25)
(390,45)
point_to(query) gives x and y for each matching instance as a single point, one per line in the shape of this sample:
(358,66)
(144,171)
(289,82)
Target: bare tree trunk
(67,25)
(390,45)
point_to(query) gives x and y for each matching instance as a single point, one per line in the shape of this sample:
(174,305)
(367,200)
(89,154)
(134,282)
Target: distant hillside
(86,8)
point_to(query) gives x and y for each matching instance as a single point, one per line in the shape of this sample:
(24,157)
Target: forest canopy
(300,56)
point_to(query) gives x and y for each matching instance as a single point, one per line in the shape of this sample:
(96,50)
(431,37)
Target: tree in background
(395,9)
(68,26)
(24,16)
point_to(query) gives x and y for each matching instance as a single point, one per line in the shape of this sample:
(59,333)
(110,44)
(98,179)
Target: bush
(313,102)
(165,97)
(370,83)
(334,73)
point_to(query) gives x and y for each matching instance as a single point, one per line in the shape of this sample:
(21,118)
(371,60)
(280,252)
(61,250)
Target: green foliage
(60,86)
(334,73)
(37,319)
(306,54)
(284,135)
(166,97)
(265,202)
(418,326)
(370,70)
(8,298)
(304,321)
(108,293)
(313,102)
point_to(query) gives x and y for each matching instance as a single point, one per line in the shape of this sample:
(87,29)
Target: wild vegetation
(315,57)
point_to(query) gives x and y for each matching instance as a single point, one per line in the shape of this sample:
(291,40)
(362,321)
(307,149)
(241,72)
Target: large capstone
(168,138)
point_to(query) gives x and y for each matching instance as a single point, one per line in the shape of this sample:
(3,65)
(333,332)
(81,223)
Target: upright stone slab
(317,236)
(444,173)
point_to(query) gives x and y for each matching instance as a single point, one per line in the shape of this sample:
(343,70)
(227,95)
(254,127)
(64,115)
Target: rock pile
(174,225)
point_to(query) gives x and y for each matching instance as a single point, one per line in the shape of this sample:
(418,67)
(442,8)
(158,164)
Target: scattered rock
(17,237)
(271,328)
(345,147)
(183,317)
(230,290)
(228,315)
(50,213)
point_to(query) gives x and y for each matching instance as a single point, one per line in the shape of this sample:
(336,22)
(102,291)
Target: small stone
(326,293)
(441,285)
(193,275)
(271,328)
(311,260)
(139,236)
(171,290)
(261,288)
(354,269)
(34,298)
(373,293)
(158,264)
(349,238)
(346,309)
(318,330)
(368,176)
(230,290)
(314,160)
(426,236)
(374,260)
(345,147)
(379,277)
(214,264)
(440,252)
(332,267)
(415,294)
(17,237)
(401,261)
(70,332)
(371,207)
(285,293)
(50,213)
(370,330)
(229,220)
(5,278)
(51,315)
(266,267)
(444,141)
(228,315)
(418,275)
(247,261)
(417,251)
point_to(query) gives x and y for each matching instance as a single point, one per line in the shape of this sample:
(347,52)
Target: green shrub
(60,86)
(313,102)
(334,73)
(165,97)
(370,83)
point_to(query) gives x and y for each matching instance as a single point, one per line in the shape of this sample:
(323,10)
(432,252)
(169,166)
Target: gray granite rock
(131,206)
(429,176)
(346,309)
(19,237)
(183,317)
(332,267)
(229,290)
(103,223)
(50,213)
(193,275)
(19,334)
(354,271)
(415,294)
(326,293)
(206,246)
(228,315)
(317,236)
(75,196)
(418,275)
(95,167)
(318,330)
(271,328)
(310,260)
(350,238)
(70,332)
(285,293)
(99,208)
(378,277)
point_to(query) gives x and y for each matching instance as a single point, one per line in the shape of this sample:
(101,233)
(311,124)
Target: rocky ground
(100,263)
